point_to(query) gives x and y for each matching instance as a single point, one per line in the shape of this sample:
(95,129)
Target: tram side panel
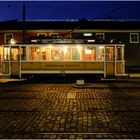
(15,70)
(44,67)
(120,68)
(98,66)
(5,68)
(110,68)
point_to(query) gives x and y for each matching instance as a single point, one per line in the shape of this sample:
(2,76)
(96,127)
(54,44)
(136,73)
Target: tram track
(67,135)
(46,89)
(69,111)
(124,135)
(70,133)
(77,95)
(128,133)
(75,87)
(66,98)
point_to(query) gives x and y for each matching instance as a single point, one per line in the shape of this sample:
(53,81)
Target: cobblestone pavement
(61,111)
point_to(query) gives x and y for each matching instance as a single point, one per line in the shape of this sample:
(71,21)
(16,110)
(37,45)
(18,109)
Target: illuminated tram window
(67,53)
(6,53)
(15,53)
(56,53)
(110,53)
(45,53)
(90,53)
(101,53)
(77,53)
(34,53)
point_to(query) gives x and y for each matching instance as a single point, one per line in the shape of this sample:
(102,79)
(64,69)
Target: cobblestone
(56,111)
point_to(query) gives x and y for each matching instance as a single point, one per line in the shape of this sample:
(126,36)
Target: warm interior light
(88,51)
(50,46)
(34,41)
(65,49)
(38,50)
(93,40)
(101,47)
(79,48)
(43,49)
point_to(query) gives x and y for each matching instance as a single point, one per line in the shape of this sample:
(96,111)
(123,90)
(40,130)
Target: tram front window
(14,52)
(119,53)
(6,53)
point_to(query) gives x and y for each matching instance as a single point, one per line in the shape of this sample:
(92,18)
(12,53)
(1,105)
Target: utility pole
(24,21)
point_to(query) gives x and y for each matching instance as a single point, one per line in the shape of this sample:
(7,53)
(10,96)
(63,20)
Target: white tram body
(31,59)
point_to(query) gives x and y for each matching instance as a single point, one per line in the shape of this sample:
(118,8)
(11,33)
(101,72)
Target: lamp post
(13,42)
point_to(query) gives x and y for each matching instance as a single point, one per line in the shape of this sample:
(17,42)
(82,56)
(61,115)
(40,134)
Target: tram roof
(42,45)
(71,25)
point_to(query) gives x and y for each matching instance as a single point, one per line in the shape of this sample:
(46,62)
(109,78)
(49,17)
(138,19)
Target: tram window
(77,53)
(45,53)
(23,53)
(110,53)
(6,53)
(90,53)
(67,53)
(101,53)
(34,53)
(56,53)
(15,52)
(119,53)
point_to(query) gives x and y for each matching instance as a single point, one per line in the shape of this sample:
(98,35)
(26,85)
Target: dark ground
(59,109)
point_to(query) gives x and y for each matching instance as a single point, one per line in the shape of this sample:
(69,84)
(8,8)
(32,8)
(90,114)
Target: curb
(137,75)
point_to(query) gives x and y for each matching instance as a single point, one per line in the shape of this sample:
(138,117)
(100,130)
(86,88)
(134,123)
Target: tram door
(119,60)
(110,60)
(15,61)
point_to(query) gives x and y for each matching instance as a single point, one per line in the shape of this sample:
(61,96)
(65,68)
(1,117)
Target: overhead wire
(98,17)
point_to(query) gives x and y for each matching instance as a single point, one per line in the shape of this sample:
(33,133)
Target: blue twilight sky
(63,10)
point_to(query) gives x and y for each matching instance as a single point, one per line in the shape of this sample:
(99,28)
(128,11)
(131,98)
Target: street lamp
(13,42)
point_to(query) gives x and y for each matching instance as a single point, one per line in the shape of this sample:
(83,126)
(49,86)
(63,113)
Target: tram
(63,59)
